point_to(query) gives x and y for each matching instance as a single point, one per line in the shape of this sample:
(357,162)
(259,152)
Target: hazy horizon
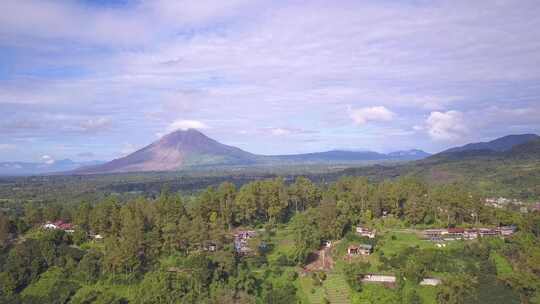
(95,80)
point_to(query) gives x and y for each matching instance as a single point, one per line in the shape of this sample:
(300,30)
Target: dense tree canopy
(182,247)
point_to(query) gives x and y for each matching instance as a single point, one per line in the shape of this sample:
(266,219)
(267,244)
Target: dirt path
(321,260)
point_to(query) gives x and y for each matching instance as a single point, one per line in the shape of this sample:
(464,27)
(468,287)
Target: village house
(210,246)
(430,282)
(96,237)
(434,234)
(470,234)
(362,249)
(49,225)
(506,230)
(376,278)
(241,241)
(486,232)
(365,232)
(245,234)
(454,234)
(59,225)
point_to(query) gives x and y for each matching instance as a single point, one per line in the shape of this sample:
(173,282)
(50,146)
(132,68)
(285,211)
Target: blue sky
(98,79)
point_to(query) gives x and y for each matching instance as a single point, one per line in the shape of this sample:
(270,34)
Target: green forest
(183,248)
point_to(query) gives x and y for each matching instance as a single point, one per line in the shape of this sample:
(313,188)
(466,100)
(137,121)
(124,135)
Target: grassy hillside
(515,173)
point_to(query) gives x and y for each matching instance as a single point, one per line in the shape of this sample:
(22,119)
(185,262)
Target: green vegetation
(514,173)
(182,248)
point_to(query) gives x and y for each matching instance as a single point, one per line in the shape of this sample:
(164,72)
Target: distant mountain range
(344,157)
(29,168)
(192,149)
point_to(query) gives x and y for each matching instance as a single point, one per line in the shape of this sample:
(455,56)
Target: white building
(50,226)
(430,282)
(366,232)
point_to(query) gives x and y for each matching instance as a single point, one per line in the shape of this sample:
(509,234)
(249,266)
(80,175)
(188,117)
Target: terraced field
(336,289)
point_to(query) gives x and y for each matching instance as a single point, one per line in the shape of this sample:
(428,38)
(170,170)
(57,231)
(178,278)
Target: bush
(283,261)
(88,295)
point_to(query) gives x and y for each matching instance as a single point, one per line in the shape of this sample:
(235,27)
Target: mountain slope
(175,151)
(500,144)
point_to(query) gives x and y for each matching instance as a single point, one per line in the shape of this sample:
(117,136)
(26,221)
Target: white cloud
(280,131)
(96,124)
(184,124)
(127,148)
(446,126)
(47,159)
(364,115)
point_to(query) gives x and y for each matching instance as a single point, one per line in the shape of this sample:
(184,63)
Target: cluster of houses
(451,234)
(501,202)
(67,227)
(362,249)
(59,225)
(241,239)
(504,203)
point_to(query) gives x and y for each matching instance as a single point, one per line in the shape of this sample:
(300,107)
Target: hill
(513,172)
(500,144)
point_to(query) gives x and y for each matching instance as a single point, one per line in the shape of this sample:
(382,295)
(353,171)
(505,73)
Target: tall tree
(307,236)
(275,199)
(246,203)
(4,229)
(82,216)
(303,194)
(227,196)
